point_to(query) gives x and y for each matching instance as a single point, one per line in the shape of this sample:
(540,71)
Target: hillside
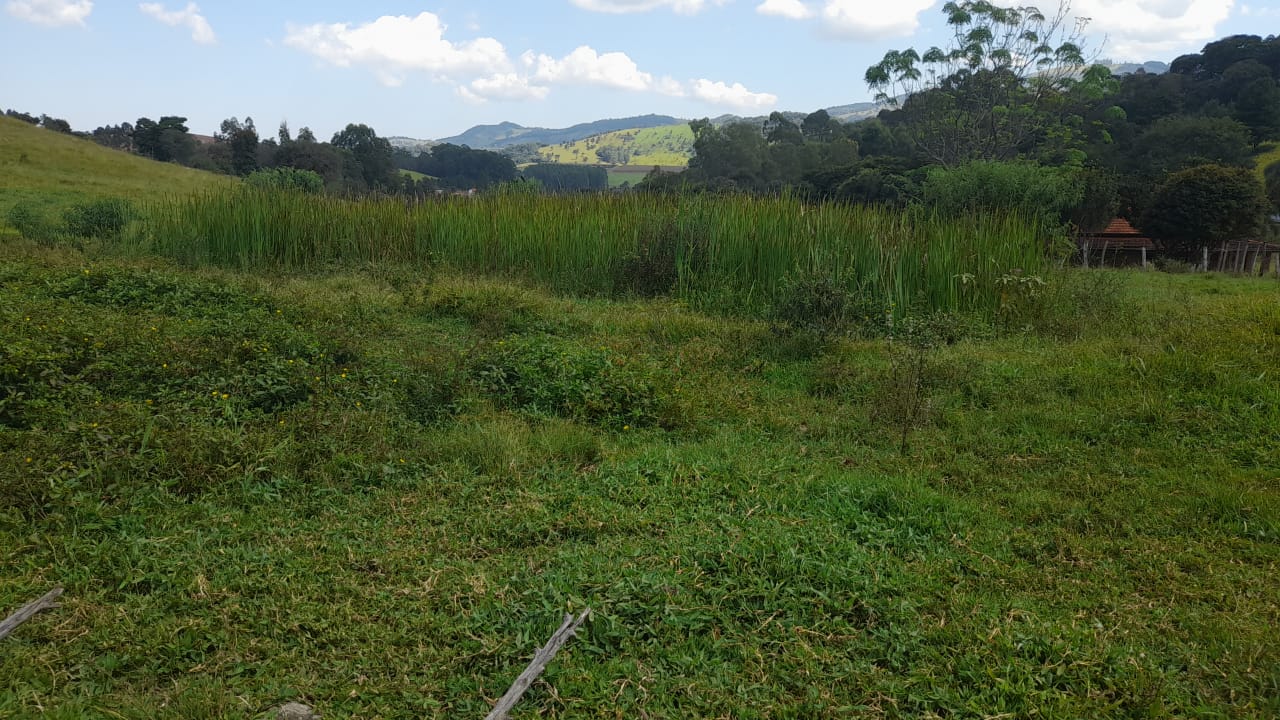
(667,145)
(53,169)
(489,137)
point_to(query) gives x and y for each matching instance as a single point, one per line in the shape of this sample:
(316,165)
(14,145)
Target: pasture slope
(375,488)
(668,146)
(53,170)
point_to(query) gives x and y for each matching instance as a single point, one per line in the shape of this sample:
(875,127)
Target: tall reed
(730,253)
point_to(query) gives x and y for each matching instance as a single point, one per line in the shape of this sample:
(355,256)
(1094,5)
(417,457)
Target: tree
(242,140)
(24,117)
(166,140)
(374,155)
(1175,143)
(118,137)
(819,126)
(992,91)
(1203,206)
(778,130)
(55,124)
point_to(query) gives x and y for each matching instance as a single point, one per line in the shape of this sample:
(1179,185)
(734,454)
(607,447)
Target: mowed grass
(376,491)
(670,145)
(52,170)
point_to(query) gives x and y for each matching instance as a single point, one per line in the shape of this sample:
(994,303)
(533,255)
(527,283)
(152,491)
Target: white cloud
(1251,11)
(502,86)
(394,45)
(790,9)
(190,17)
(873,19)
(479,70)
(683,7)
(584,66)
(1153,29)
(51,12)
(735,96)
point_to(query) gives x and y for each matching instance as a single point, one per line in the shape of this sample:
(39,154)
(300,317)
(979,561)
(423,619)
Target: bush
(286,178)
(1029,190)
(103,219)
(814,303)
(31,223)
(1205,205)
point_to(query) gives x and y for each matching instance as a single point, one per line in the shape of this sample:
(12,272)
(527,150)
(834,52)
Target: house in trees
(1119,244)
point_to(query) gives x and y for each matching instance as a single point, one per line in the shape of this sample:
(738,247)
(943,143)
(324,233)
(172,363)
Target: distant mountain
(1151,67)
(844,113)
(411,145)
(492,137)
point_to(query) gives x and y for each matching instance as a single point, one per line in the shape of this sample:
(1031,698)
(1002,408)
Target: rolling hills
(492,137)
(668,145)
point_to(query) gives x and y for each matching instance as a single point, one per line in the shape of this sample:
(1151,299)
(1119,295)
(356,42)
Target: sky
(433,69)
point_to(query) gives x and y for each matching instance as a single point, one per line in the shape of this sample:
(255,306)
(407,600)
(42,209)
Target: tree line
(1013,114)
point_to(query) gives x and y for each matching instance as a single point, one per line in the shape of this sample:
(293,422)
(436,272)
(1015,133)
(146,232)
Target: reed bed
(727,253)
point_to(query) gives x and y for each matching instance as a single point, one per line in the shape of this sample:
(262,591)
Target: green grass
(670,145)
(1270,153)
(53,171)
(377,490)
(731,254)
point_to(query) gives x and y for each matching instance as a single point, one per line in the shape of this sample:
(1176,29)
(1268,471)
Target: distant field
(1270,154)
(54,170)
(635,173)
(667,145)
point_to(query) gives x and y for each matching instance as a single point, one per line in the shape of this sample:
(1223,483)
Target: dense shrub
(31,223)
(814,303)
(1203,206)
(286,178)
(98,219)
(1034,192)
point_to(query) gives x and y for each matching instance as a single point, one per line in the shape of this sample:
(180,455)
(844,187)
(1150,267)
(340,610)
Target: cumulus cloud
(735,95)
(51,12)
(862,20)
(502,86)
(584,66)
(1150,29)
(394,45)
(683,7)
(189,17)
(790,9)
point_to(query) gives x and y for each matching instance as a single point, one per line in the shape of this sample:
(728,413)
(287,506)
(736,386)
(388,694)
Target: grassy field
(670,145)
(52,171)
(366,458)
(376,491)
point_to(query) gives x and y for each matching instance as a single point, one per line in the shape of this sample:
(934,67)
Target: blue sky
(433,69)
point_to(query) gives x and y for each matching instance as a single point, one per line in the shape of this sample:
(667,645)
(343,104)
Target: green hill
(669,145)
(54,170)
